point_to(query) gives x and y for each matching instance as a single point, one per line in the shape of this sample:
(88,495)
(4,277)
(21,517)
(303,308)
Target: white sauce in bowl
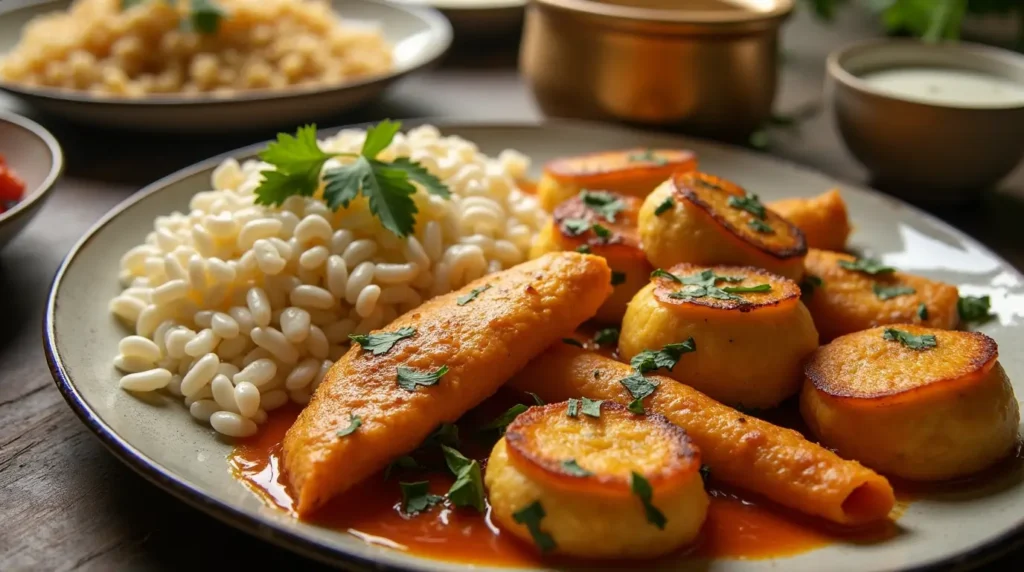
(947,86)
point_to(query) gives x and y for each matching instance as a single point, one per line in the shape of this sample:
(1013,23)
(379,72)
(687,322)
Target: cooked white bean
(174,386)
(176,339)
(243,318)
(295,324)
(325,366)
(220,271)
(203,343)
(133,364)
(127,308)
(233,347)
(203,318)
(257,229)
(337,275)
(226,369)
(150,380)
(203,409)
(385,273)
(259,306)
(307,296)
(303,374)
(367,300)
(314,257)
(255,354)
(274,342)
(224,393)
(169,292)
(337,332)
(247,398)
(300,396)
(258,373)
(173,268)
(139,347)
(204,393)
(317,344)
(271,400)
(359,251)
(313,228)
(360,278)
(223,325)
(260,417)
(232,424)
(340,241)
(200,374)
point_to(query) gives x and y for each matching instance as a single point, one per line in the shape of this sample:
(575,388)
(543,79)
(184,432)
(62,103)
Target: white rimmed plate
(161,441)
(35,156)
(478,18)
(419,35)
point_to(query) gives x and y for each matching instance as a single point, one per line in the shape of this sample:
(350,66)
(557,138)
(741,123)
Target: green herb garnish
(665,205)
(409,379)
(760,226)
(638,387)
(572,342)
(747,289)
(530,517)
(749,203)
(703,284)
(445,434)
(602,232)
(922,311)
(502,421)
(381,343)
(618,278)
(591,407)
(605,204)
(354,422)
(867,266)
(606,336)
(922,342)
(575,226)
(388,186)
(890,292)
(583,249)
(536,398)
(667,357)
(205,16)
(642,489)
(974,308)
(809,283)
(403,462)
(468,489)
(416,497)
(705,473)
(647,156)
(467,298)
(659,273)
(572,468)
(572,408)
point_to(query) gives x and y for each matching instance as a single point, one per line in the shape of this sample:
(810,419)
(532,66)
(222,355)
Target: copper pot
(706,66)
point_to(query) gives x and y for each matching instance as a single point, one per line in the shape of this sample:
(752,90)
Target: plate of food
(209,65)
(30,163)
(479,18)
(553,346)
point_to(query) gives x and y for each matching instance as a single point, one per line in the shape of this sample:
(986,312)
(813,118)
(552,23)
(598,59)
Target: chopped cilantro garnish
(605,204)
(354,422)
(530,517)
(665,205)
(659,273)
(575,226)
(204,16)
(572,342)
(409,379)
(536,398)
(571,467)
(468,489)
(606,336)
(618,277)
(922,311)
(642,488)
(749,203)
(890,292)
(502,421)
(667,357)
(381,343)
(647,156)
(472,294)
(747,289)
(638,387)
(445,434)
(403,462)
(974,308)
(809,283)
(867,266)
(572,408)
(583,249)
(591,407)
(760,226)
(416,497)
(922,342)
(602,232)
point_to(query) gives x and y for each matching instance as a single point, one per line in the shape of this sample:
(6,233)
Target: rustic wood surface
(66,503)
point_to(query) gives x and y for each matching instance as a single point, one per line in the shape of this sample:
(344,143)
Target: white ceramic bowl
(36,157)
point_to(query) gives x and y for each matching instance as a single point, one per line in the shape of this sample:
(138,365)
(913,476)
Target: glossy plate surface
(419,35)
(35,156)
(159,439)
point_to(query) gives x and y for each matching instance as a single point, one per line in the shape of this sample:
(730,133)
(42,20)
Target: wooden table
(65,502)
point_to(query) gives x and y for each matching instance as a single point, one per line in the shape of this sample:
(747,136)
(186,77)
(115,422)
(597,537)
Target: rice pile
(239,308)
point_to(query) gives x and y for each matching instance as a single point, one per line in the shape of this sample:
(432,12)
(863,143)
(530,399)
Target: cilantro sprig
(409,379)
(605,204)
(642,488)
(974,308)
(381,343)
(416,497)
(468,489)
(388,186)
(922,342)
(667,357)
(530,517)
(867,266)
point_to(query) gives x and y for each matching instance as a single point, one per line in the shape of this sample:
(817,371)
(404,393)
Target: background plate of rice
(154,435)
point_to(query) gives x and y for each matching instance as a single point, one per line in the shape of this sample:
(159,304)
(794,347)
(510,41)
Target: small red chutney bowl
(31,161)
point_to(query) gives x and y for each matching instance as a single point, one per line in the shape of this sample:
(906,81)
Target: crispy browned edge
(687,457)
(664,286)
(575,208)
(812,371)
(555,166)
(681,187)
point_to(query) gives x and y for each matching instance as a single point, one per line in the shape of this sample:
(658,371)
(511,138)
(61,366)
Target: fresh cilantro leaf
(572,342)
(403,462)
(922,311)
(572,468)
(647,156)
(867,266)
(390,196)
(381,343)
(708,278)
(922,342)
(445,434)
(342,184)
(603,203)
(974,308)
(354,422)
(664,206)
(467,298)
(749,203)
(890,292)
(667,357)
(379,137)
(618,278)
(416,497)
(602,232)
(572,408)
(606,336)
(583,249)
(419,174)
(746,289)
(530,517)
(809,283)
(276,186)
(591,407)
(575,226)
(468,489)
(502,421)
(659,273)
(205,16)
(760,226)
(638,387)
(536,398)
(409,379)
(641,487)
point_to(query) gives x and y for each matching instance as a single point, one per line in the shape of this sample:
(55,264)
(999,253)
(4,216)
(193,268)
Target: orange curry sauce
(736,527)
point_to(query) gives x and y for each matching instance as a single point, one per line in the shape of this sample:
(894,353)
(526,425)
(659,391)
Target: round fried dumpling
(593,480)
(633,172)
(843,300)
(822,219)
(912,402)
(701,219)
(750,330)
(601,223)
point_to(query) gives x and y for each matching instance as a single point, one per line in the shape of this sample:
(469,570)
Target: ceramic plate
(419,35)
(477,18)
(161,441)
(35,156)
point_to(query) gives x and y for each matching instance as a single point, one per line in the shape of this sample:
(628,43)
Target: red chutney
(735,528)
(11,186)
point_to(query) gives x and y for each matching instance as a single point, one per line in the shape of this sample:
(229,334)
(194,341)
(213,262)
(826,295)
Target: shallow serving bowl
(708,66)
(927,152)
(478,19)
(419,35)
(36,157)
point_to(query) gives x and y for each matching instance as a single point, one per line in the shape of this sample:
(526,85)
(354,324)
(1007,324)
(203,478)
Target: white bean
(203,318)
(203,409)
(173,268)
(139,347)
(317,344)
(360,278)
(314,257)
(247,398)
(300,396)
(337,332)
(169,292)
(232,424)
(133,364)
(337,275)
(174,386)
(340,241)
(303,374)
(274,342)
(385,273)
(258,373)
(150,380)
(260,417)
(257,229)
(268,258)
(175,341)
(243,318)
(226,369)
(271,400)
(307,296)
(233,347)
(223,325)
(224,393)
(359,251)
(127,308)
(259,306)
(222,225)
(367,300)
(295,324)
(325,366)
(200,375)
(204,342)
(311,228)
